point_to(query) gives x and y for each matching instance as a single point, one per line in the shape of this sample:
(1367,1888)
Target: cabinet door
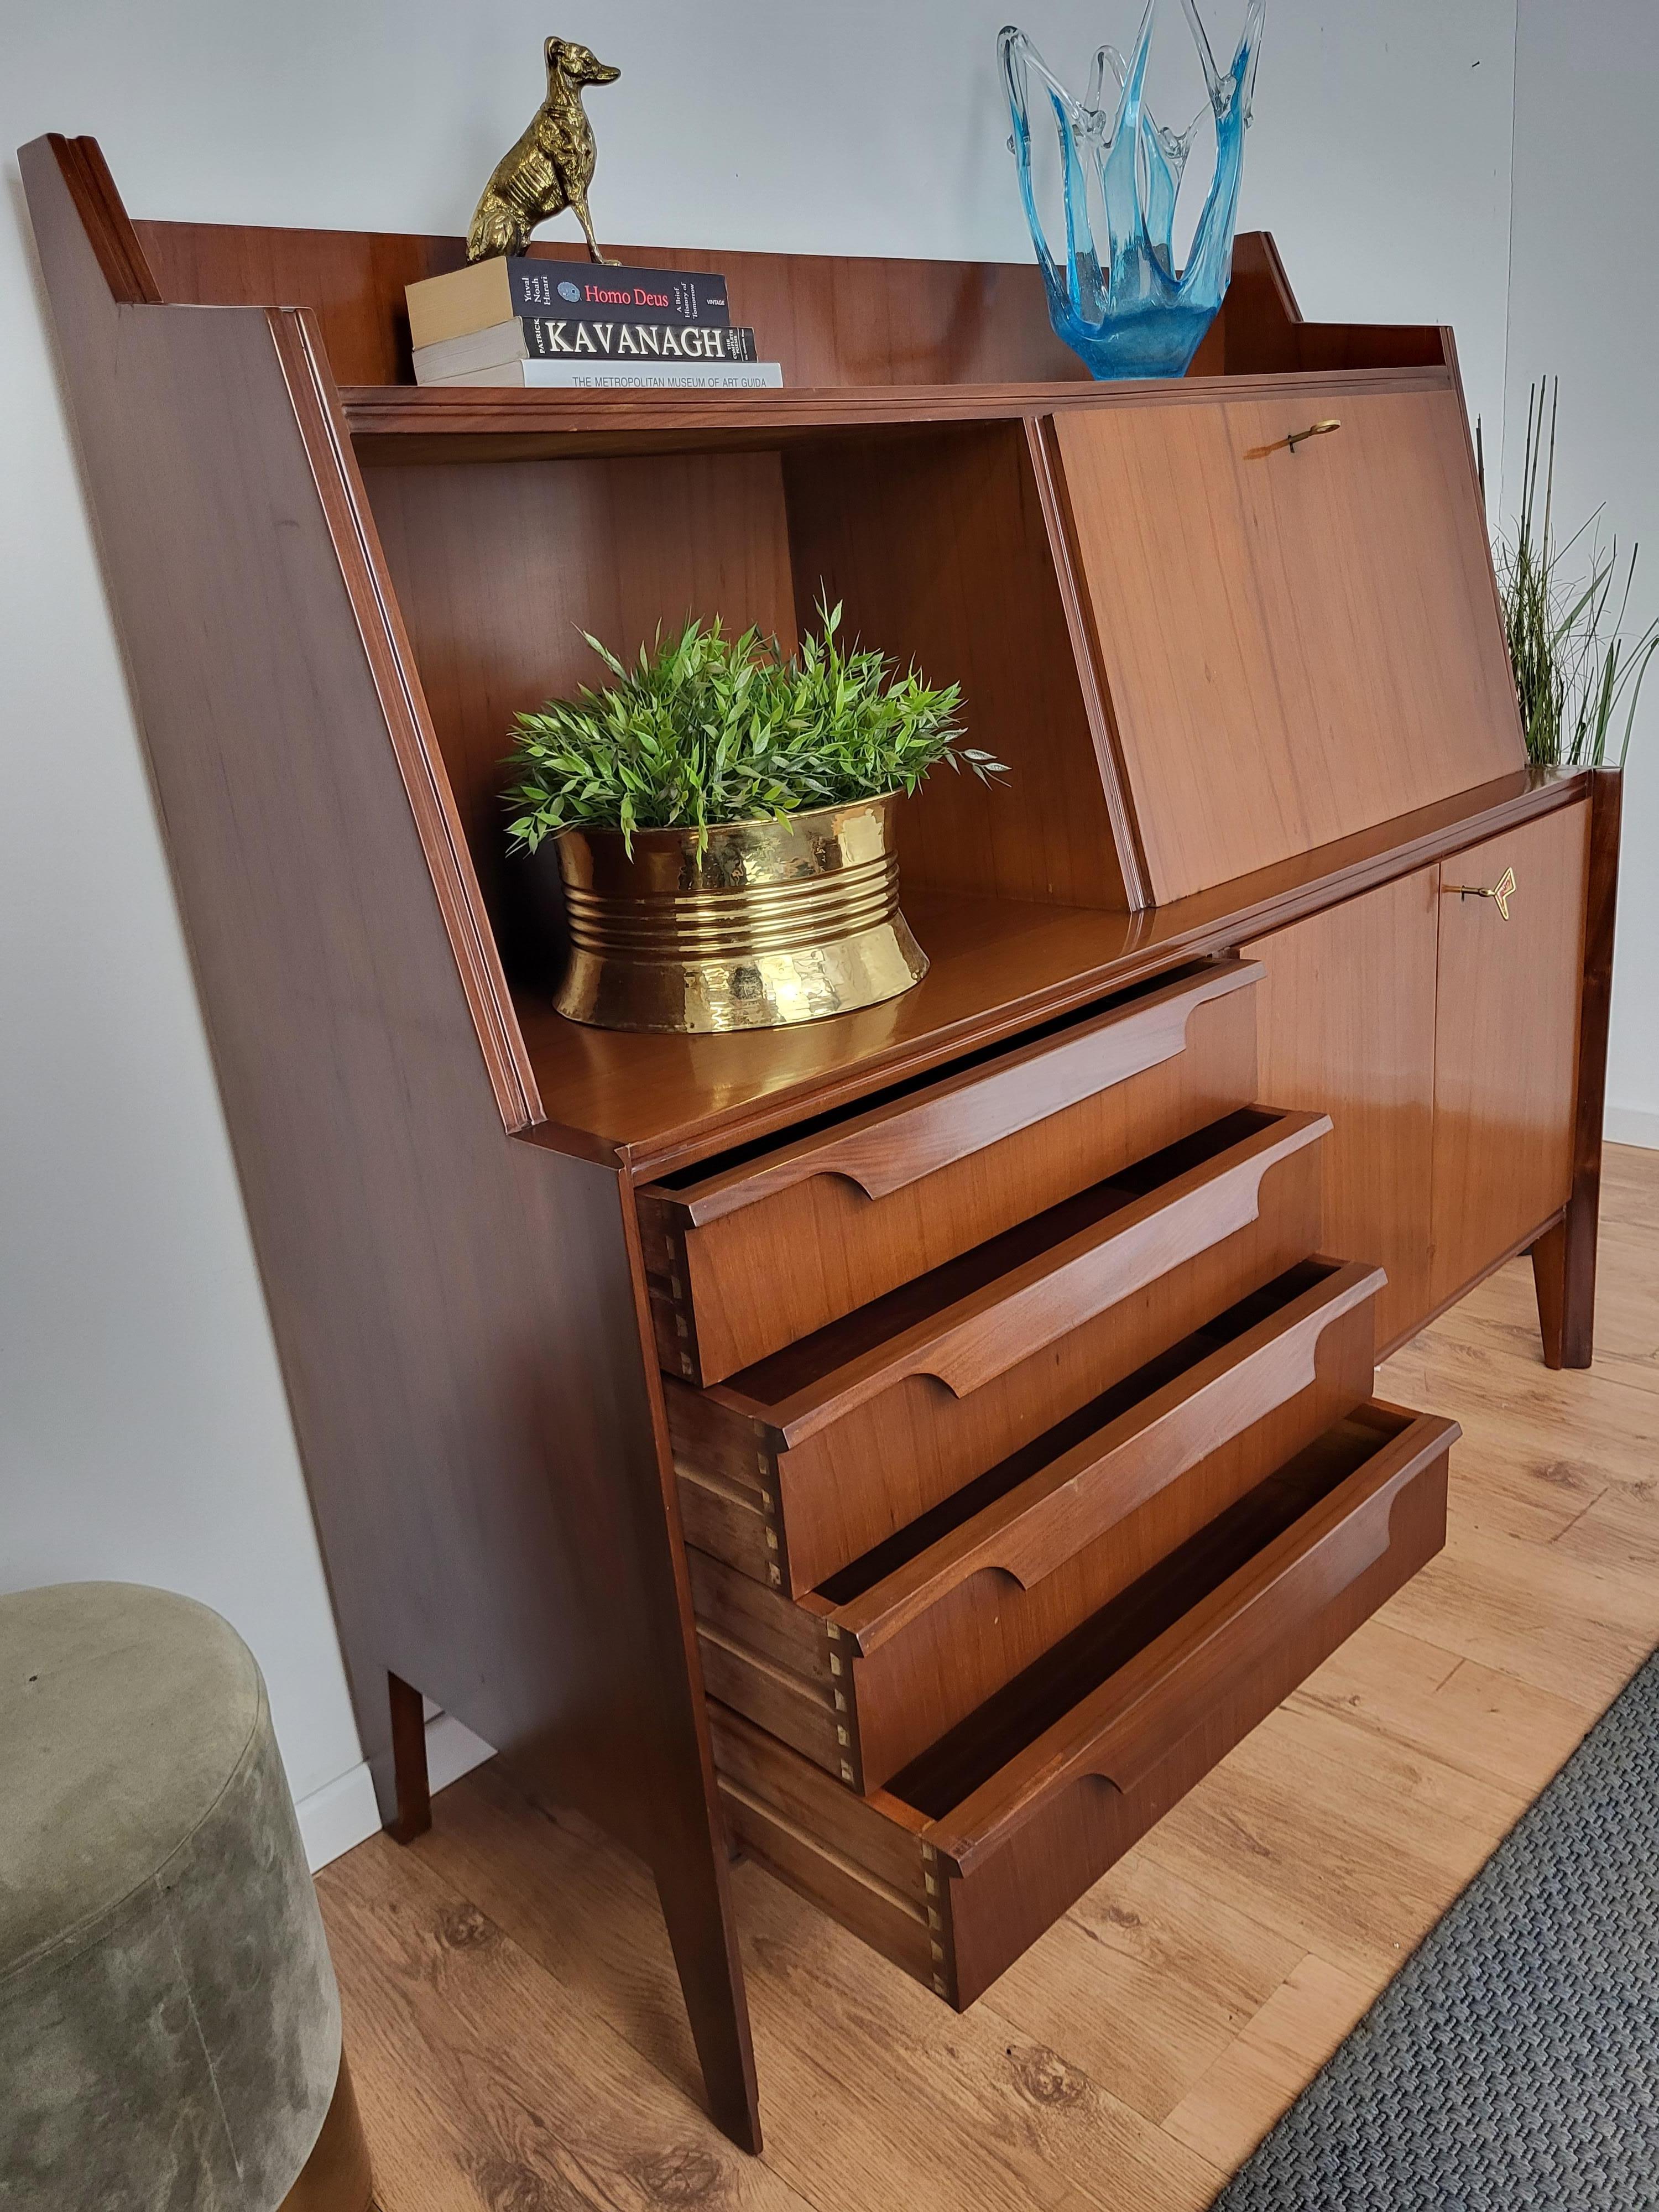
(1347,1025)
(1506,1044)
(1295,644)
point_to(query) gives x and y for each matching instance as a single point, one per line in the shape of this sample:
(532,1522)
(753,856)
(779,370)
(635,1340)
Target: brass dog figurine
(551,166)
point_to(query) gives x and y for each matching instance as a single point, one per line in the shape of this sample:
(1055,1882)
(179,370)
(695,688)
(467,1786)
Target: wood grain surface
(892,1654)
(1346,1023)
(1158,1687)
(938,550)
(458,1313)
(1506,1044)
(498,572)
(440,426)
(1564,1263)
(965,1325)
(873,1465)
(829,320)
(513,1963)
(999,967)
(769,1249)
(1295,645)
(459,1295)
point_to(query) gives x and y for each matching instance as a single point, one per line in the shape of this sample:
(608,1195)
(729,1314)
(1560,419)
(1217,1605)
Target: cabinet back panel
(1296,645)
(938,551)
(499,571)
(830,319)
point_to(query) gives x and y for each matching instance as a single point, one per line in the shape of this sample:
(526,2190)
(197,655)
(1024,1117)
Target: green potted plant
(1578,668)
(721,817)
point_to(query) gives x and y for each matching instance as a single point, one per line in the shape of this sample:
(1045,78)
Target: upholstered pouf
(169,2027)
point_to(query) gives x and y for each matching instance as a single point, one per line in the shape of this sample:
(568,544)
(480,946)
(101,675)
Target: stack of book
(582,326)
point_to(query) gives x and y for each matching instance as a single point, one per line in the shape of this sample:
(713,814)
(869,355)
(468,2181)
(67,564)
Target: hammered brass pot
(774,923)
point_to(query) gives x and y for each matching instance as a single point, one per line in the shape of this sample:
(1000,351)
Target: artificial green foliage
(1576,666)
(708,728)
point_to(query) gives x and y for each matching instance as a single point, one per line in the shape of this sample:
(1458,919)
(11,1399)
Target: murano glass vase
(1116,295)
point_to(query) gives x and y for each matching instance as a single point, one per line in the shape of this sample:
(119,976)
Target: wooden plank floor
(515,2028)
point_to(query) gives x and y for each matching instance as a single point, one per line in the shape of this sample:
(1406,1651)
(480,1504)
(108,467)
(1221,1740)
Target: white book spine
(621,376)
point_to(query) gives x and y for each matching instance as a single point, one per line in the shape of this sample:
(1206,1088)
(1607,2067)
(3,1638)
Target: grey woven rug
(1514,2060)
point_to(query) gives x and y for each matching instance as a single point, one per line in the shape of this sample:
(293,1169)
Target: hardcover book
(628,375)
(497,290)
(538,338)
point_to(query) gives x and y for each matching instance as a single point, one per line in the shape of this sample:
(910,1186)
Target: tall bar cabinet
(910,1448)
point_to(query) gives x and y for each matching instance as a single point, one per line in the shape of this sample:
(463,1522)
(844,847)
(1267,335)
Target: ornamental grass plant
(1577,669)
(706,728)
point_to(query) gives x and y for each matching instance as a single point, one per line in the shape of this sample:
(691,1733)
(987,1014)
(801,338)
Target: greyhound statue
(551,166)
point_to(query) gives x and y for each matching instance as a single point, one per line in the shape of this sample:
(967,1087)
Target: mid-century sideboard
(910,1448)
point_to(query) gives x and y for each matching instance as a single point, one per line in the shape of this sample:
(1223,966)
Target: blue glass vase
(1133,313)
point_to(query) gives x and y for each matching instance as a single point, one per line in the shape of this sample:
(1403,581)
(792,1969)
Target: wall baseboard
(344,1812)
(1631,1125)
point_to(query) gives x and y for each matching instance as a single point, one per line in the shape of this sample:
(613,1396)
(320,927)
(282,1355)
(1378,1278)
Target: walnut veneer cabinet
(914,1448)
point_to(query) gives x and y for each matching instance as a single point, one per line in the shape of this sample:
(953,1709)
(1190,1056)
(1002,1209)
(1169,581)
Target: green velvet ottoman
(169,2026)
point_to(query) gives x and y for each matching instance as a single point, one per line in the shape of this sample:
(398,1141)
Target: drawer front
(863,1678)
(981,1845)
(763,1253)
(838,1463)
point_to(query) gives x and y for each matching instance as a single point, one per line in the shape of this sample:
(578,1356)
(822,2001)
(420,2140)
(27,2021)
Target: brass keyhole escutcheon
(1499,893)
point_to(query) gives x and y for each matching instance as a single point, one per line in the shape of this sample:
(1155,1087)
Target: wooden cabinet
(1347,1017)
(1442,1039)
(974,1390)
(1506,1042)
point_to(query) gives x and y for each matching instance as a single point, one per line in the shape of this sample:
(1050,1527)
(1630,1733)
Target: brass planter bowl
(775,922)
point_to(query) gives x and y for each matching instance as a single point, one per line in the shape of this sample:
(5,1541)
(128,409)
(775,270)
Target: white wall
(1584,307)
(143,1432)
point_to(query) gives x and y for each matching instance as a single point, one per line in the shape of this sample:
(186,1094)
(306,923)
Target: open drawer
(982,1842)
(749,1253)
(863,1674)
(808,1460)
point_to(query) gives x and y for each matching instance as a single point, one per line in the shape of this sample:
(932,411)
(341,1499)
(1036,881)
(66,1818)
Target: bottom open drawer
(981,1843)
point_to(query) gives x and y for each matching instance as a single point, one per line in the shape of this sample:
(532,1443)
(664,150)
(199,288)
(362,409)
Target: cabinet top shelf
(412,423)
(655,1104)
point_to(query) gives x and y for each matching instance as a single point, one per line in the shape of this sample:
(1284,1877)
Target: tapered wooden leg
(697,1906)
(1564,1276)
(1549,1280)
(412,1815)
(1563,1260)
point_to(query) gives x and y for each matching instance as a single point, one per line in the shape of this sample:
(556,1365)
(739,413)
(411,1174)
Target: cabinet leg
(1563,1261)
(410,1812)
(1564,1276)
(697,1909)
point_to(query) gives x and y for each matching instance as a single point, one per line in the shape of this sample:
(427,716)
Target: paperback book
(498,290)
(538,337)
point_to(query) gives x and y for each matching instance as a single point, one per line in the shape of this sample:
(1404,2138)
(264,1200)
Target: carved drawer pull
(1121,1730)
(1500,893)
